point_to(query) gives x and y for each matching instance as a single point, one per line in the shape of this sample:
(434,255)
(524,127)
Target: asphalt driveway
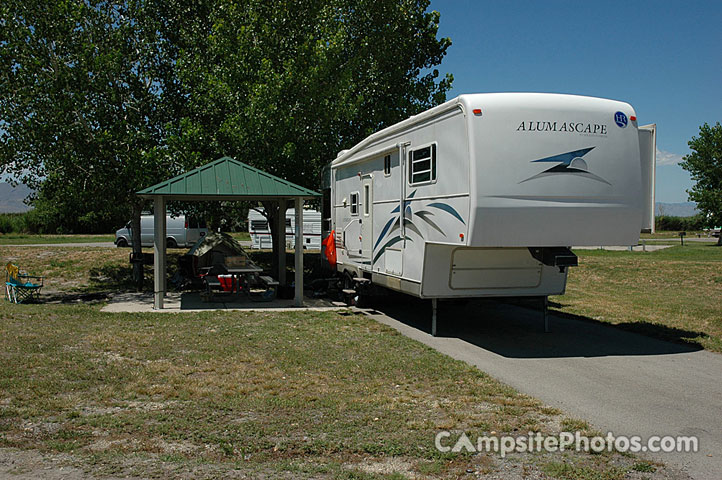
(617,380)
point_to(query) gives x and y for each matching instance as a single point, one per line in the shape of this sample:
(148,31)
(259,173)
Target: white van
(180,232)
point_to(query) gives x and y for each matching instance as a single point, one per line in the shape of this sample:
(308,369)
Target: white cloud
(667,158)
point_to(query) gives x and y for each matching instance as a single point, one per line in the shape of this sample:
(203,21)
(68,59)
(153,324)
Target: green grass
(241,236)
(306,395)
(675,293)
(28,239)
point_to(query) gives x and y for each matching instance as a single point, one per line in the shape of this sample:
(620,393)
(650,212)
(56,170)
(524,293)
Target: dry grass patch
(73,269)
(224,394)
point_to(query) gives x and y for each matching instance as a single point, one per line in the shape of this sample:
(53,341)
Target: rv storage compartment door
(474,268)
(394,258)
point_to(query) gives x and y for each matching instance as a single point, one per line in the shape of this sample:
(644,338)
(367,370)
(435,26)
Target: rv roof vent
(341,153)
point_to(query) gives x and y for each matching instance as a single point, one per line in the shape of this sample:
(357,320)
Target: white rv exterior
(451,203)
(261,233)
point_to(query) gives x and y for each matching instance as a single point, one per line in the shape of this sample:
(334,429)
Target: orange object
(329,244)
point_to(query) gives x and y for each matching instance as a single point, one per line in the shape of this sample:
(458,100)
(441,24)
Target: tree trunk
(137,247)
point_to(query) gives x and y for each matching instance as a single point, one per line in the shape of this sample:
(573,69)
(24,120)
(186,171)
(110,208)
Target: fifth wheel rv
(484,195)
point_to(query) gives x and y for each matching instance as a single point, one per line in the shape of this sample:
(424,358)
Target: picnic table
(239,279)
(243,276)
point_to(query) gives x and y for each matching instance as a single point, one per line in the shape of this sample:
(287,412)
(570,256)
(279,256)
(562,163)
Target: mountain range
(11,198)
(684,209)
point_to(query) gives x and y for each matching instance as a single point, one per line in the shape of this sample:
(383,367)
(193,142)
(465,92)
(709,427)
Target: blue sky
(664,58)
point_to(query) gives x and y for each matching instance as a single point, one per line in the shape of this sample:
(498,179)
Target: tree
(101,99)
(86,94)
(285,85)
(705,166)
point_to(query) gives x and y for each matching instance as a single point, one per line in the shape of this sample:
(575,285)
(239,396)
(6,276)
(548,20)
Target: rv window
(354,203)
(387,165)
(259,225)
(422,165)
(367,200)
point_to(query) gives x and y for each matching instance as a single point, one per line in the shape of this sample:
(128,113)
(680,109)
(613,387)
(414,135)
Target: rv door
(394,257)
(648,157)
(366,214)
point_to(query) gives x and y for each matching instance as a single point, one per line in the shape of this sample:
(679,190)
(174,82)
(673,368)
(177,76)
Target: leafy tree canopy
(285,85)
(83,103)
(99,99)
(705,166)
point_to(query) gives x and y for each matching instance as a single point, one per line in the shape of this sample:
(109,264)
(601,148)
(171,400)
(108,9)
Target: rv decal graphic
(620,119)
(568,163)
(409,215)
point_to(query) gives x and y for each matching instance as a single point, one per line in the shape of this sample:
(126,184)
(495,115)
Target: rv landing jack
(545,310)
(434,302)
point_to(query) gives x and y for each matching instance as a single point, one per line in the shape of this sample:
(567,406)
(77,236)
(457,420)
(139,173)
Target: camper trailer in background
(261,233)
(484,195)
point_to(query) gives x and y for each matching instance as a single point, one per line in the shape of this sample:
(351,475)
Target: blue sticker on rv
(449,209)
(569,163)
(620,119)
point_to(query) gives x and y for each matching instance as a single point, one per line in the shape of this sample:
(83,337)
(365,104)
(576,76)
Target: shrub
(12,222)
(678,224)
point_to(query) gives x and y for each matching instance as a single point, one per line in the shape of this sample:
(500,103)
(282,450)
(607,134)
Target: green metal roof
(226,178)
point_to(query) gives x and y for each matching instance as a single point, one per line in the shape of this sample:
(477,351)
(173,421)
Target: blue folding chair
(20,287)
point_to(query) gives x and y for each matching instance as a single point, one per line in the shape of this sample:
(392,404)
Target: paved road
(85,244)
(244,243)
(617,380)
(686,239)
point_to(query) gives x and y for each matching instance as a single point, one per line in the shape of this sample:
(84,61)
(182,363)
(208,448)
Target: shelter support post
(434,304)
(545,309)
(159,239)
(281,229)
(298,257)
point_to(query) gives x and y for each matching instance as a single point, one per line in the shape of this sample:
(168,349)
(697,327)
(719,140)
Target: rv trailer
(260,231)
(484,195)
